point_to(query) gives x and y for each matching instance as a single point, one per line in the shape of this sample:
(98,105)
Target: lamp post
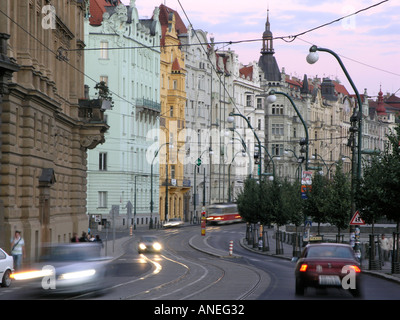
(272,98)
(243,152)
(299,162)
(240,139)
(151,185)
(231,119)
(198,164)
(313,57)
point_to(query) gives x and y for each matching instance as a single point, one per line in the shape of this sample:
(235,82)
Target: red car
(328,265)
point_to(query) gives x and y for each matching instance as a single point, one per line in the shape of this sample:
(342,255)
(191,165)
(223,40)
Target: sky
(368,42)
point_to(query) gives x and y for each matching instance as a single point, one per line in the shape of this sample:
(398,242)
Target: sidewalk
(200,243)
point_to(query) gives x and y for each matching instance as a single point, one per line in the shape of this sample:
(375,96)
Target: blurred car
(149,244)
(174,222)
(6,268)
(68,268)
(325,265)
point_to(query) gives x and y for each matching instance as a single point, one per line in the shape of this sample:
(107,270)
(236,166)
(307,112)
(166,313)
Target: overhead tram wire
(289,38)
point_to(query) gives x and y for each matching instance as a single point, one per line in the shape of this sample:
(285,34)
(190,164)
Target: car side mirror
(295,259)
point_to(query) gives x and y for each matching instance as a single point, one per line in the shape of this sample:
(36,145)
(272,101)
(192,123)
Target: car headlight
(157,246)
(142,246)
(77,274)
(27,275)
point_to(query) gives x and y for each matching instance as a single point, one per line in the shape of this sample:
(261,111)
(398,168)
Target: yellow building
(172,122)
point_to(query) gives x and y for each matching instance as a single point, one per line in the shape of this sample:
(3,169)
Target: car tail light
(303,268)
(355,268)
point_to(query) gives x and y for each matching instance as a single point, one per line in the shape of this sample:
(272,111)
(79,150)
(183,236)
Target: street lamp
(272,98)
(243,152)
(231,119)
(313,57)
(196,165)
(151,184)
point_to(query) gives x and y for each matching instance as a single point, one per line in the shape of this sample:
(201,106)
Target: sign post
(357,221)
(203,222)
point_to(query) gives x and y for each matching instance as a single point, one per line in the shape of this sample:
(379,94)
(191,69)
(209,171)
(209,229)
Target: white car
(174,222)
(6,268)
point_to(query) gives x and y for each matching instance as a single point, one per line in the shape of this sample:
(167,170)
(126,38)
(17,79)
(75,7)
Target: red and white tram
(220,213)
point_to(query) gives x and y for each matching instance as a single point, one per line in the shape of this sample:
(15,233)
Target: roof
(164,15)
(97,8)
(246,72)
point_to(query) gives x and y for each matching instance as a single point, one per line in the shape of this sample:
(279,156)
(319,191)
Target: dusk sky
(368,42)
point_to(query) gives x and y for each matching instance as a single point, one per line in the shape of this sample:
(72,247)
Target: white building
(119,171)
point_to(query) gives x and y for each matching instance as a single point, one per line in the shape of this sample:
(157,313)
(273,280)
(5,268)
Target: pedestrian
(75,238)
(384,244)
(17,249)
(98,240)
(84,237)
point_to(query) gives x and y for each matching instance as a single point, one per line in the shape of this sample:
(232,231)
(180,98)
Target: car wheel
(299,287)
(6,281)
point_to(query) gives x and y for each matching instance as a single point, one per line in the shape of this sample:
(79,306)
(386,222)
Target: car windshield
(73,252)
(329,252)
(148,239)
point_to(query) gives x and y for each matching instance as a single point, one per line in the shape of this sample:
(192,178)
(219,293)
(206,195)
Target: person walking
(384,243)
(17,250)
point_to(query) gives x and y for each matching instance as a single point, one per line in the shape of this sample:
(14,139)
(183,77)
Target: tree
(338,199)
(248,201)
(369,192)
(292,201)
(314,205)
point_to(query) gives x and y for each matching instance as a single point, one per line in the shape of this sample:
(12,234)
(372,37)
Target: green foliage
(270,202)
(337,204)
(314,206)
(104,92)
(377,194)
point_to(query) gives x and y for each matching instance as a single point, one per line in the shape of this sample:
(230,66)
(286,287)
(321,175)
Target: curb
(204,250)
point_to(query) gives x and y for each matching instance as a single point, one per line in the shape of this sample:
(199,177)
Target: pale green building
(123,51)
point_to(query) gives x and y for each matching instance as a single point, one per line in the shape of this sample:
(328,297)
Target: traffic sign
(357,220)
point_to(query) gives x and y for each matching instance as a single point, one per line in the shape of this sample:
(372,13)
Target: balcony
(177,183)
(143,104)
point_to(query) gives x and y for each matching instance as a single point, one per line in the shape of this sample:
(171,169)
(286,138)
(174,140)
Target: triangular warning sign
(357,220)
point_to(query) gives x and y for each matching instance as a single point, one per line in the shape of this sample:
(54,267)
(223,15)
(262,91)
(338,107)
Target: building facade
(46,128)
(172,135)
(120,173)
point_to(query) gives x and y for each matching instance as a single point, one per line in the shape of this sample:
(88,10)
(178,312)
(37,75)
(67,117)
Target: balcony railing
(183,183)
(148,104)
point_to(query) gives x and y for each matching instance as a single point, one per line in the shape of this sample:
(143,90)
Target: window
(277,109)
(248,101)
(104,79)
(102,161)
(172,171)
(277,149)
(277,129)
(171,111)
(103,50)
(102,203)
(259,103)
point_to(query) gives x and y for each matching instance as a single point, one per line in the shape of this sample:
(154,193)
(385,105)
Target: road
(180,272)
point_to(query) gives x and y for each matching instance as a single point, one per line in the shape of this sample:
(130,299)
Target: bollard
(130,231)
(230,247)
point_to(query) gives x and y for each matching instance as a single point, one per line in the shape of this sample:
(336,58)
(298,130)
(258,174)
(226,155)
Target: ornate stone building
(46,128)
(173,186)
